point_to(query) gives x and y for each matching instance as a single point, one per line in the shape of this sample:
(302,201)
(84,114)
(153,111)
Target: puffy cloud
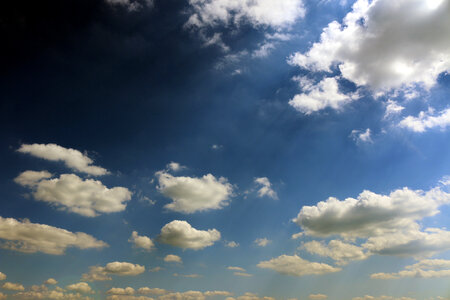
(173,258)
(51,295)
(175,167)
(385,44)
(143,242)
(265,188)
(31,178)
(2,276)
(121,291)
(319,96)
(370,214)
(85,197)
(296,266)
(361,136)
(317,296)
(210,13)
(132,5)
(97,273)
(367,297)
(427,268)
(232,244)
(262,242)
(339,251)
(127,297)
(250,296)
(217,293)
(28,237)
(182,234)
(51,281)
(9,286)
(189,295)
(72,158)
(154,291)
(80,287)
(427,120)
(191,194)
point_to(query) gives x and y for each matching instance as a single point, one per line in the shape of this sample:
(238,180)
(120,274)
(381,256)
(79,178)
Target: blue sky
(220,149)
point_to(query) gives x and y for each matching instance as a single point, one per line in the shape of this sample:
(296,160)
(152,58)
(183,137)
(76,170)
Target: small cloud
(265,188)
(215,146)
(242,274)
(173,258)
(187,275)
(361,136)
(392,108)
(155,269)
(140,241)
(236,269)
(231,244)
(174,166)
(51,281)
(262,242)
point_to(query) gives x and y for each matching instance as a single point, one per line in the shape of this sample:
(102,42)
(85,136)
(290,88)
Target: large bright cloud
(296,266)
(69,192)
(191,194)
(277,14)
(385,44)
(72,158)
(28,237)
(97,273)
(182,234)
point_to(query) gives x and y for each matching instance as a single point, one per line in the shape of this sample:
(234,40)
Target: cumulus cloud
(319,96)
(262,242)
(173,258)
(24,236)
(385,44)
(51,281)
(121,291)
(80,287)
(231,244)
(154,291)
(191,194)
(427,120)
(182,234)
(265,188)
(69,192)
(49,294)
(2,276)
(72,158)
(189,295)
(97,273)
(296,266)
(317,296)
(9,286)
(368,297)
(250,296)
(31,178)
(361,136)
(210,13)
(427,268)
(140,241)
(337,250)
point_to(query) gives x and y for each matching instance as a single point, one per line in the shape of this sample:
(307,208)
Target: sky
(225,149)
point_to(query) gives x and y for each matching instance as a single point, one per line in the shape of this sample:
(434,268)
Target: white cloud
(173,258)
(319,96)
(51,281)
(392,108)
(2,276)
(427,120)
(361,136)
(428,268)
(217,293)
(242,274)
(264,49)
(262,242)
(368,297)
(265,188)
(28,237)
(31,178)
(50,294)
(317,296)
(250,296)
(121,291)
(9,286)
(191,194)
(385,44)
(154,291)
(296,266)
(141,241)
(210,13)
(72,158)
(339,251)
(236,269)
(127,297)
(69,192)
(97,273)
(80,287)
(182,234)
(187,275)
(189,295)
(232,244)
(175,167)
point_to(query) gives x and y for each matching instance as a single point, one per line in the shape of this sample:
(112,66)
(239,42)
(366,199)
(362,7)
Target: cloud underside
(191,194)
(24,236)
(182,234)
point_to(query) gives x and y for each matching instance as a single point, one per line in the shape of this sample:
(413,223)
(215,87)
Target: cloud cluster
(28,237)
(10,286)
(97,273)
(140,241)
(385,44)
(296,266)
(427,120)
(72,158)
(182,234)
(80,287)
(191,194)
(69,192)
